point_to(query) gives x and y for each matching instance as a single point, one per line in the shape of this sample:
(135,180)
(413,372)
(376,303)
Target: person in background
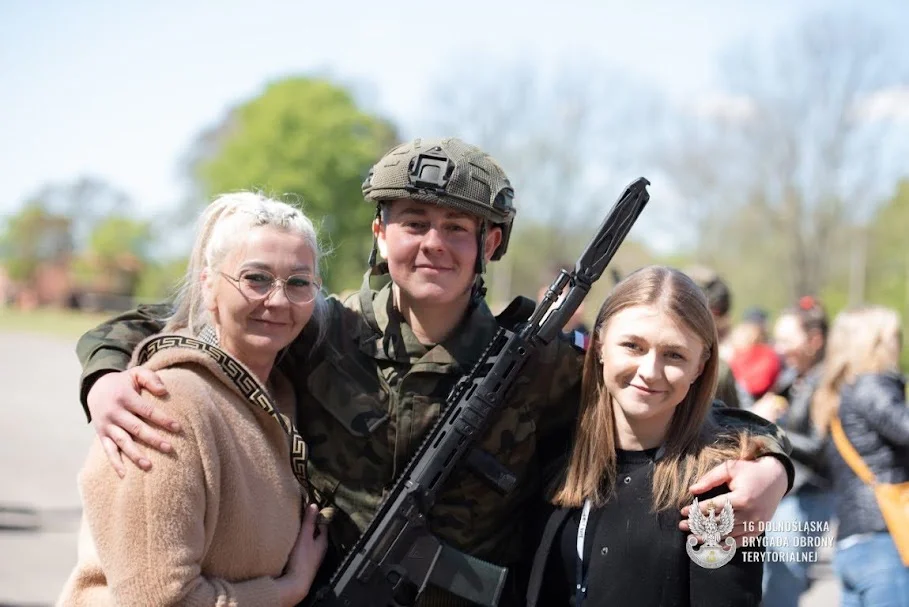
(754,362)
(217,521)
(643,435)
(800,337)
(719,298)
(863,389)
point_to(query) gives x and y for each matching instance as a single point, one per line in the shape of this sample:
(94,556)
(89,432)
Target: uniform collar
(386,336)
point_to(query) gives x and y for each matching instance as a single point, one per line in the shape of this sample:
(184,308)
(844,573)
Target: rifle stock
(397,556)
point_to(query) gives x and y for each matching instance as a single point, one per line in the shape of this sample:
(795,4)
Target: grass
(58,323)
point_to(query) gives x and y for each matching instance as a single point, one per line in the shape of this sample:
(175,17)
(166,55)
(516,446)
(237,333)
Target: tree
(86,201)
(888,256)
(306,138)
(116,254)
(34,236)
(793,149)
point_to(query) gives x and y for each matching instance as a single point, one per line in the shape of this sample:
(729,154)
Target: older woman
(221,519)
(644,435)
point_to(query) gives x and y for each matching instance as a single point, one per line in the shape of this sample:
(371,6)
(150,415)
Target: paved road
(43,439)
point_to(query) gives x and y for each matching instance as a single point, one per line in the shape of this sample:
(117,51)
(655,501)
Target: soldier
(369,391)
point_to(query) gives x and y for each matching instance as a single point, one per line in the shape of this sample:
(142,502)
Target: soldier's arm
(771,438)
(110,394)
(756,486)
(109,346)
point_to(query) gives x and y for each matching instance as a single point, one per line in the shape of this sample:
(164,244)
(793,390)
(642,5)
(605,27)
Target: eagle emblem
(711,528)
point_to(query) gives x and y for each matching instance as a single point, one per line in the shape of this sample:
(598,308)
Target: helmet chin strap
(374,254)
(478,291)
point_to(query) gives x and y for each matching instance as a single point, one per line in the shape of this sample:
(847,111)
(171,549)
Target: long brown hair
(693,443)
(858,343)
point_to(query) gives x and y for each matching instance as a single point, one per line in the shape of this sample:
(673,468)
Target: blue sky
(119,89)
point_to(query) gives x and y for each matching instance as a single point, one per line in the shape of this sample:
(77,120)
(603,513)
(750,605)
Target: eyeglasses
(259,284)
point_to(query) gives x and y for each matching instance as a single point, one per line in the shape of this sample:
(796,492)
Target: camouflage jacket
(369,392)
(372,391)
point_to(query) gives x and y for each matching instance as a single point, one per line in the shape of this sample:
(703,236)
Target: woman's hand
(304,559)
(121,416)
(755,490)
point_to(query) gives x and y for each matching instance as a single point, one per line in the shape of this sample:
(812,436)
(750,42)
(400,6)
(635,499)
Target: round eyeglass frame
(275,281)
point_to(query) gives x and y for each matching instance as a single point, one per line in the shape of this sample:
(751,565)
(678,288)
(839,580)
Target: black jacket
(875,418)
(807,443)
(635,557)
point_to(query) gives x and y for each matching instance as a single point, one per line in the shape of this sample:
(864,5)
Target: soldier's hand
(304,559)
(756,488)
(121,416)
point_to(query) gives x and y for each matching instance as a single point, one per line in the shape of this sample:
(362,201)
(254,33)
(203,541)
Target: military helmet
(446,172)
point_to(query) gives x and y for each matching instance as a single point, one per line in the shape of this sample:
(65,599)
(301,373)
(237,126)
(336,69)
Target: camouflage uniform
(370,391)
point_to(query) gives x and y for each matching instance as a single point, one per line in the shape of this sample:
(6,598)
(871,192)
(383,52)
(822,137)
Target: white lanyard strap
(582,530)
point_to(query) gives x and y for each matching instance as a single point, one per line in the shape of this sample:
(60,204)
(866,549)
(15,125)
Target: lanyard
(580,591)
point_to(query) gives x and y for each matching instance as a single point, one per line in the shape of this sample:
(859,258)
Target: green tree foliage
(888,258)
(305,137)
(160,280)
(116,254)
(34,236)
(888,255)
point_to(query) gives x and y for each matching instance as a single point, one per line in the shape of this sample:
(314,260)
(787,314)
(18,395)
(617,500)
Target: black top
(807,441)
(635,557)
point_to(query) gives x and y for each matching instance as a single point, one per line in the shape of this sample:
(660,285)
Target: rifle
(397,555)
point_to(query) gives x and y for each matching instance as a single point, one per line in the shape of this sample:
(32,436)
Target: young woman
(644,435)
(217,521)
(863,388)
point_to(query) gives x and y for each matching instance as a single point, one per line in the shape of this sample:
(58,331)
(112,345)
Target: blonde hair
(693,443)
(220,227)
(858,343)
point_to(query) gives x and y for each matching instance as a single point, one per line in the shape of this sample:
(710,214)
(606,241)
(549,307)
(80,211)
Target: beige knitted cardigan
(213,522)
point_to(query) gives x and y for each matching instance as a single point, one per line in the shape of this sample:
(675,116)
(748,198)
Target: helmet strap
(478,291)
(374,254)
(480,266)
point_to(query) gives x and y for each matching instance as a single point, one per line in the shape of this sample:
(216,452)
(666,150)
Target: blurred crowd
(836,388)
